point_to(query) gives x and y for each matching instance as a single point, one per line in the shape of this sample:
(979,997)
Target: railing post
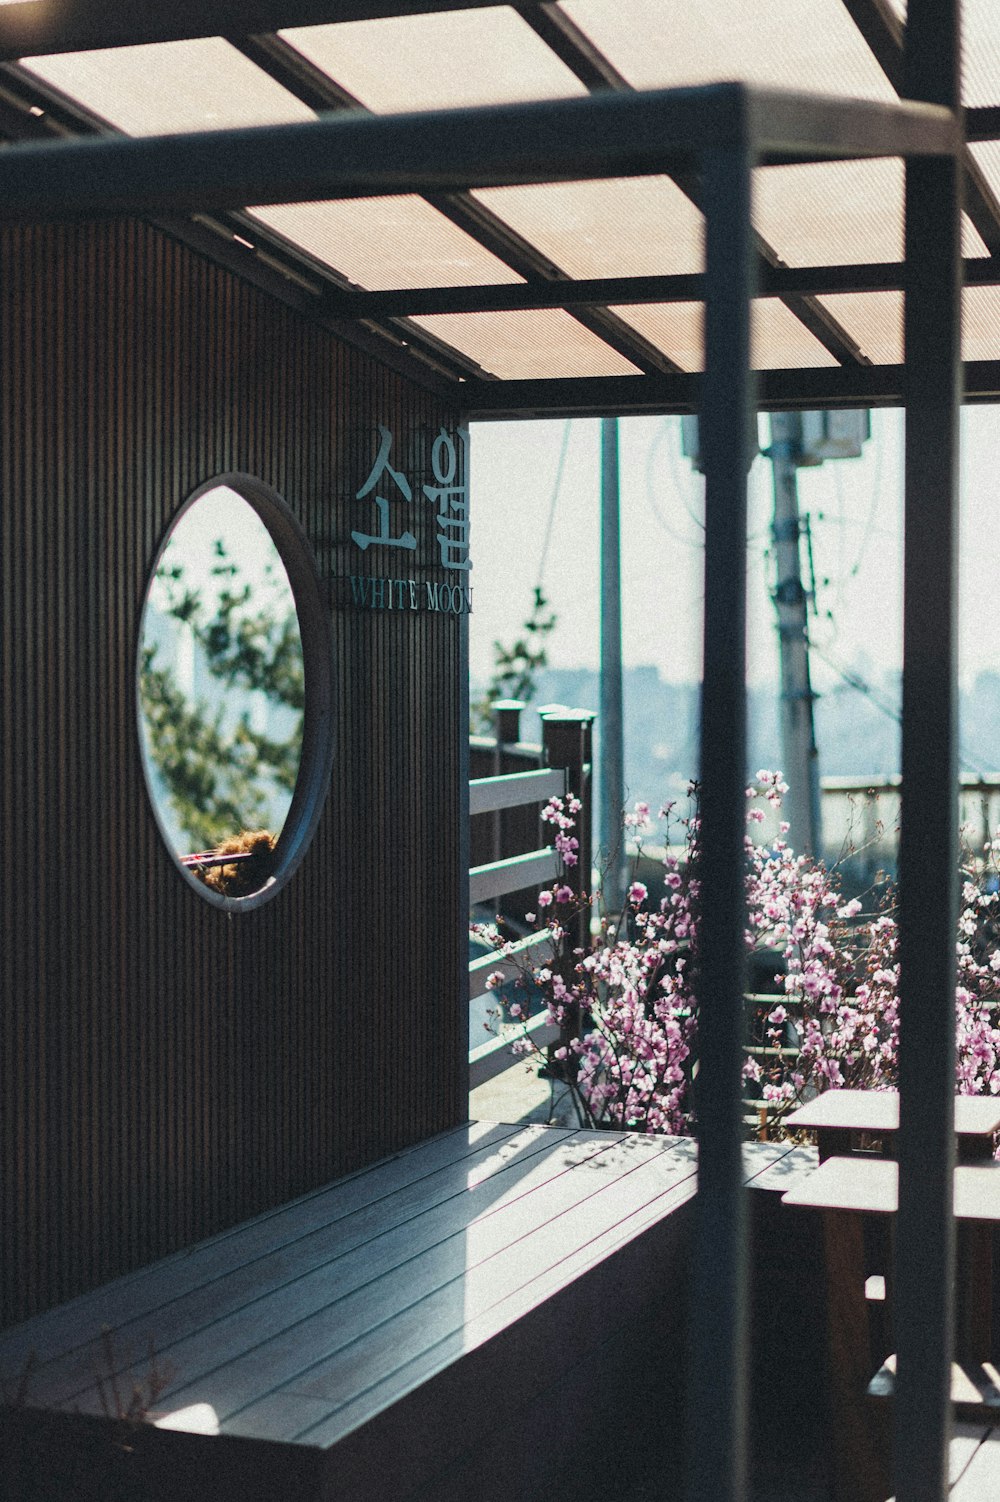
(506,732)
(507,723)
(567,739)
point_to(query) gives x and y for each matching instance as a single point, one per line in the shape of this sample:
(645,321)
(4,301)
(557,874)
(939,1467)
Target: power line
(678,486)
(552,503)
(860,685)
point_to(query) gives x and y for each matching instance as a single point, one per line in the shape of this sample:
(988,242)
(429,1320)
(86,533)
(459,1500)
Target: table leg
(833,1142)
(859,1440)
(973,1292)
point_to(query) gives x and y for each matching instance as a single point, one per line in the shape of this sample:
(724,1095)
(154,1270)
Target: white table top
(871,1185)
(878,1111)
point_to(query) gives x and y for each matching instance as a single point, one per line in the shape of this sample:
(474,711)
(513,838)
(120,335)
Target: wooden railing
(560,766)
(513,873)
(861,820)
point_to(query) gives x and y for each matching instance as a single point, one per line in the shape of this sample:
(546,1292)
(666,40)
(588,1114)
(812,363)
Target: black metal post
(612,842)
(717,1411)
(928,854)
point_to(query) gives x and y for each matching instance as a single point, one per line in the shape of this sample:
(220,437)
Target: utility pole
(798,734)
(797,439)
(611,724)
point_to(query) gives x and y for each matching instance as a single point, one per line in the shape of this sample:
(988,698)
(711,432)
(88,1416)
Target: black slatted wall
(167,1068)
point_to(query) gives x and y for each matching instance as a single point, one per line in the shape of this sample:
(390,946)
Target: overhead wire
(893,712)
(678,486)
(557,486)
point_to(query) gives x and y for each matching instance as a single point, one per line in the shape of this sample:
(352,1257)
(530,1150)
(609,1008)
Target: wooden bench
(434,1326)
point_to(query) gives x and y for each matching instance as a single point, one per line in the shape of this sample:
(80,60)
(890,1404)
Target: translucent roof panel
(807,44)
(875,321)
(987,154)
(488,56)
(837,213)
(379,243)
(981,323)
(778,339)
(621,227)
(165,88)
(520,346)
(980,50)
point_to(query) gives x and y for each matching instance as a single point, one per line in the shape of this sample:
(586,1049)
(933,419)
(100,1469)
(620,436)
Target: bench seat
(433,1326)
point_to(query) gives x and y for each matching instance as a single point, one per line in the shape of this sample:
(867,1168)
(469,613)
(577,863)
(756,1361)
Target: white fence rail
(514,790)
(487,795)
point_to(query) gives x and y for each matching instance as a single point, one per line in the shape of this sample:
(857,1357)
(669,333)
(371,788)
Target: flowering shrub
(626,1006)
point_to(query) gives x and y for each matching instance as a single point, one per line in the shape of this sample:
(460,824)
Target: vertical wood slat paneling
(167,1069)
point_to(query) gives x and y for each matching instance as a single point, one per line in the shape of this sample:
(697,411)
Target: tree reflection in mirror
(222,693)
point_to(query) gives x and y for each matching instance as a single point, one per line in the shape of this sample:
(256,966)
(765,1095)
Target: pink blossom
(638,985)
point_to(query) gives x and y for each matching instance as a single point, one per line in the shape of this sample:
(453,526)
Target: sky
(534,500)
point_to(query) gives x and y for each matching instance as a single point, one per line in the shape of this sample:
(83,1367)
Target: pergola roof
(549,297)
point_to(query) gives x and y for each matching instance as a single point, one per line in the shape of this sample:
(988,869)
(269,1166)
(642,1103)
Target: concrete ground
(519,1095)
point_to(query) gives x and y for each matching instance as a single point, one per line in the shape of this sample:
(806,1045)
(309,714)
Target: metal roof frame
(308,83)
(379,321)
(566,39)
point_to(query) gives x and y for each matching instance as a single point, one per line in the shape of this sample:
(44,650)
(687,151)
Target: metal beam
(773,281)
(717,1347)
(505,243)
(882,29)
(928,841)
(37,27)
(362,156)
(777,390)
(572,46)
(982,122)
(294,71)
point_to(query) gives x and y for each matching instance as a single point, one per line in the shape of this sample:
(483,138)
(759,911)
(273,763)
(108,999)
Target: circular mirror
(234,692)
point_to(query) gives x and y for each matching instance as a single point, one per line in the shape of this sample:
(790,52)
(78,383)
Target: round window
(234,692)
